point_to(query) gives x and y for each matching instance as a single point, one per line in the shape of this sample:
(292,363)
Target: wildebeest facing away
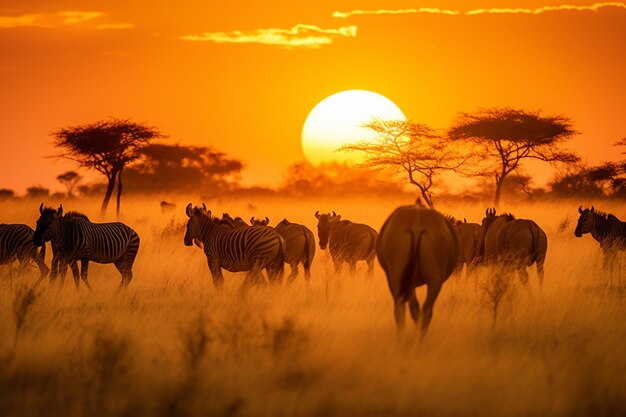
(76,238)
(607,229)
(416,246)
(299,245)
(517,243)
(469,241)
(348,242)
(249,249)
(234,222)
(16,244)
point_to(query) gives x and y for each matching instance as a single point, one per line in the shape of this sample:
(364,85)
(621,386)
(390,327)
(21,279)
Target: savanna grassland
(170,345)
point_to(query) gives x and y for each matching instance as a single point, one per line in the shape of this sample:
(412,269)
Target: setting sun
(338,120)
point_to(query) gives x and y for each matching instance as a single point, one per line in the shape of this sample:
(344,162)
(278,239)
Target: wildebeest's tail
(411,270)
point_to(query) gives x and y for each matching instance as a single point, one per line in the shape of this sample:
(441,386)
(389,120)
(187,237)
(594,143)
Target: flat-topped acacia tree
(107,146)
(506,137)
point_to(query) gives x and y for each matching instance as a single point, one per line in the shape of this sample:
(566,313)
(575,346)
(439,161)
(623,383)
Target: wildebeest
(517,243)
(469,241)
(249,249)
(299,245)
(348,242)
(607,229)
(416,246)
(258,222)
(16,244)
(78,239)
(234,222)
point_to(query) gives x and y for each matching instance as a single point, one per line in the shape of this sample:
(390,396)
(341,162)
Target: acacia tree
(69,179)
(410,148)
(107,146)
(506,137)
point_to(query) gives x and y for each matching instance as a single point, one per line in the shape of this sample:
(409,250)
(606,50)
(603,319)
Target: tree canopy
(505,137)
(107,146)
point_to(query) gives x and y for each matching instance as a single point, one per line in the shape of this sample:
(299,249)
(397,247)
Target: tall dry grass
(170,345)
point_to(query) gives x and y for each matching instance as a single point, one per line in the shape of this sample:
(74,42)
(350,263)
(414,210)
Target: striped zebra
(250,249)
(16,244)
(348,242)
(78,239)
(607,229)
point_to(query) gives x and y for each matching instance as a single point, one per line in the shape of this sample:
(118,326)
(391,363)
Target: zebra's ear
(188,210)
(267,220)
(41,209)
(204,207)
(592,209)
(580,209)
(317,215)
(338,217)
(208,213)
(60,210)
(252,220)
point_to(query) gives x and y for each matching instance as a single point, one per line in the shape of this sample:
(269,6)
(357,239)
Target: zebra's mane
(75,214)
(605,216)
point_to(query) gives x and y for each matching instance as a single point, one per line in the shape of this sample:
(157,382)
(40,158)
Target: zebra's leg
(126,271)
(307,272)
(432,292)
(370,267)
(352,265)
(75,274)
(41,264)
(294,273)
(84,270)
(216,274)
(523,275)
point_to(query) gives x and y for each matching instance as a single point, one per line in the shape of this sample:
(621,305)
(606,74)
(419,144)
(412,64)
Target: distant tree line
(489,146)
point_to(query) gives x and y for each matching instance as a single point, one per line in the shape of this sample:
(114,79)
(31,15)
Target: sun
(339,119)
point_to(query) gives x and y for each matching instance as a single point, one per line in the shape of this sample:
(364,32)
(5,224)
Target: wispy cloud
(426,10)
(301,35)
(87,19)
(72,17)
(25,20)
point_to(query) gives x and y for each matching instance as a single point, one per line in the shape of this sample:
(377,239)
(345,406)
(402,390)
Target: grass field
(170,345)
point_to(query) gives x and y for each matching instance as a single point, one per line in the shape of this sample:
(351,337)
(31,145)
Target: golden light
(338,120)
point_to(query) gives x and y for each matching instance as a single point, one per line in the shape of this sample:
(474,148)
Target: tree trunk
(108,194)
(119,193)
(427,199)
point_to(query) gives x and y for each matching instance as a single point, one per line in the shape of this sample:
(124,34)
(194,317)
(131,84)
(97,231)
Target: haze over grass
(171,346)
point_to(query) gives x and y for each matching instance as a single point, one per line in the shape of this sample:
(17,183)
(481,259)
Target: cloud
(72,17)
(564,7)
(301,35)
(25,20)
(428,10)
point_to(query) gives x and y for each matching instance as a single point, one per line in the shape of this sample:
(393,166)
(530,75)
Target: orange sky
(181,66)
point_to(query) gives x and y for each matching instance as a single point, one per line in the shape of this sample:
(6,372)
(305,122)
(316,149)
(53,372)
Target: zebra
(417,246)
(16,243)
(607,229)
(348,242)
(76,238)
(250,249)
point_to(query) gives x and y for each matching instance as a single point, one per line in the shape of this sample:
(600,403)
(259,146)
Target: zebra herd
(416,246)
